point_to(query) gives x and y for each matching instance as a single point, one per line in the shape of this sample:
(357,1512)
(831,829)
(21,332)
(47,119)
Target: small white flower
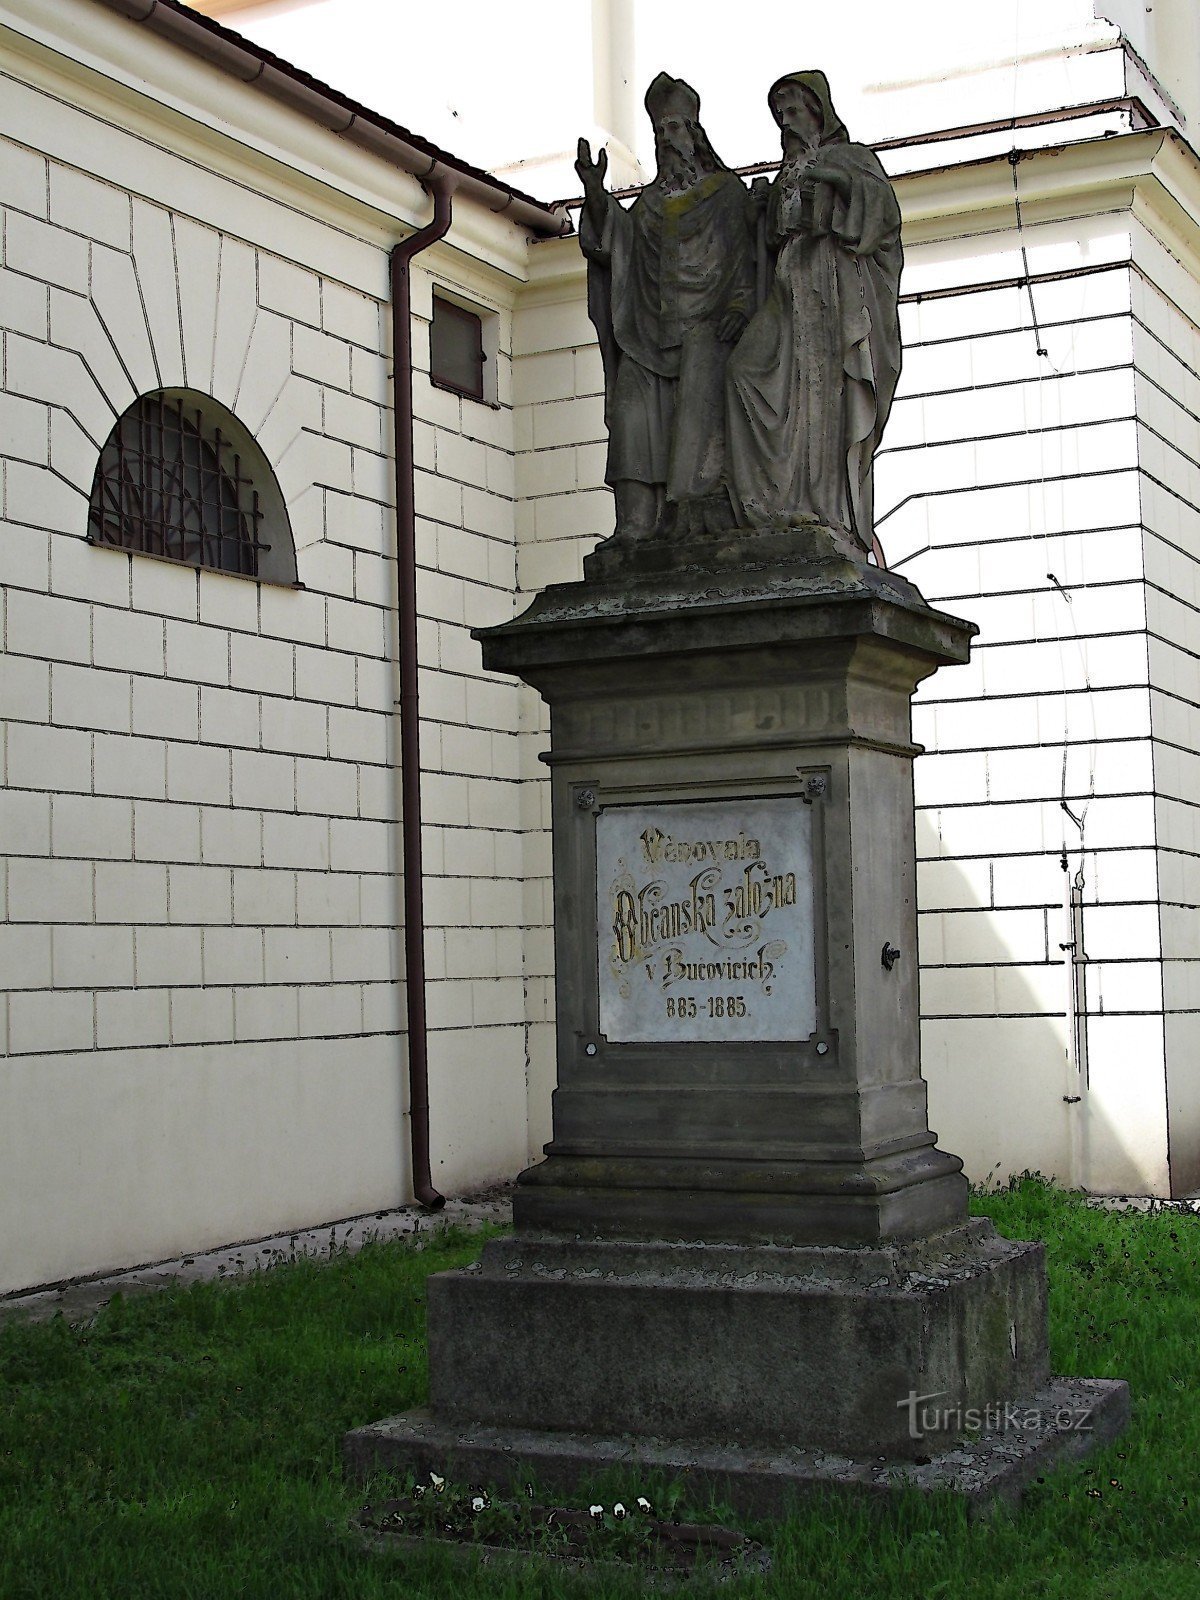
(597,1512)
(479,1503)
(642,1503)
(439,1484)
(618,1511)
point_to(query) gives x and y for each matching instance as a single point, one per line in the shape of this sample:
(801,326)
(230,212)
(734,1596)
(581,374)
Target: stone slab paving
(80,1299)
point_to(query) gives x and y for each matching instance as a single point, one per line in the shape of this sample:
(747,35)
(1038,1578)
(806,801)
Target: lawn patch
(187,1443)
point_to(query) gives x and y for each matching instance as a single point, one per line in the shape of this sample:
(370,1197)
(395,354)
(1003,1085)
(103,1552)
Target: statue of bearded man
(670,290)
(811,384)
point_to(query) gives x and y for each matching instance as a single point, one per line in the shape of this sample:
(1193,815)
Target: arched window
(180,477)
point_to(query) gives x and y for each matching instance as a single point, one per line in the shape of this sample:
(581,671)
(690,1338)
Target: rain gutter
(272,75)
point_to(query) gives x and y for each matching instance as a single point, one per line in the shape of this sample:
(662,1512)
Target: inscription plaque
(705,921)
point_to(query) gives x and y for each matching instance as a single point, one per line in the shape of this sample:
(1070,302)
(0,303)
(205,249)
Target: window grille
(170,483)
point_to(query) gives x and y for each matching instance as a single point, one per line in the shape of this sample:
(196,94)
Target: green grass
(185,1444)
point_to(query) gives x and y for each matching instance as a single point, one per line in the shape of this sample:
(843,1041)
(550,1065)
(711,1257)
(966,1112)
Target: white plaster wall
(1008,491)
(1166,328)
(584,68)
(1166,36)
(473,829)
(201,945)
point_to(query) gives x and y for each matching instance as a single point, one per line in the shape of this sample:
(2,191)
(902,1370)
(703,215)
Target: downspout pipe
(443,186)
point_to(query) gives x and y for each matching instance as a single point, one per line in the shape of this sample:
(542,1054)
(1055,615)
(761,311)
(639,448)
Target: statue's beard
(801,137)
(797,141)
(677,169)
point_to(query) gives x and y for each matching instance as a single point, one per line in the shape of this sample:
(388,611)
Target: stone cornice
(1056,183)
(1153,174)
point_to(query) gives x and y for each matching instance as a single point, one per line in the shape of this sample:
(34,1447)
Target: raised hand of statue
(591,175)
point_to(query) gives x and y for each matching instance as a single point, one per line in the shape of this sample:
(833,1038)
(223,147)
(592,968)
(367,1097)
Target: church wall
(201,940)
(1166,311)
(1026,519)
(201,925)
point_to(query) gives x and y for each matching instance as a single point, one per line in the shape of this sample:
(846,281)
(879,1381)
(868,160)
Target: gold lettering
(658,846)
(625,923)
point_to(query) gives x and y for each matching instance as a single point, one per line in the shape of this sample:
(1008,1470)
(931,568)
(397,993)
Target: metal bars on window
(170,484)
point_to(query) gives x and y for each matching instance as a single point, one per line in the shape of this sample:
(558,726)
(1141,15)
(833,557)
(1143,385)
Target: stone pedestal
(764,1344)
(710,720)
(743,1237)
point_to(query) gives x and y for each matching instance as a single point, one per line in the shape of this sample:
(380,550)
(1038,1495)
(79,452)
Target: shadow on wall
(997,1054)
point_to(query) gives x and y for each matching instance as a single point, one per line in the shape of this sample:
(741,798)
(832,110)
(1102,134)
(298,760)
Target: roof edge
(238,56)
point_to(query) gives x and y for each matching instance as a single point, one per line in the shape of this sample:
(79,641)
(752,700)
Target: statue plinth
(710,705)
(809,550)
(744,1253)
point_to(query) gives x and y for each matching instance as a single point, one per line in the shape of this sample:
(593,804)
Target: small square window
(456,349)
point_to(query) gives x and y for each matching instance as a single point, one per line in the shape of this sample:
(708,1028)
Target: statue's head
(803,107)
(671,97)
(680,143)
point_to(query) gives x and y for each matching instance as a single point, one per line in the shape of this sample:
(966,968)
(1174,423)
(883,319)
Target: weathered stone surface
(670,287)
(895,1199)
(750,337)
(722,1344)
(1076,1415)
(699,686)
(811,381)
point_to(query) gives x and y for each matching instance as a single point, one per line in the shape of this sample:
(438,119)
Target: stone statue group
(750,336)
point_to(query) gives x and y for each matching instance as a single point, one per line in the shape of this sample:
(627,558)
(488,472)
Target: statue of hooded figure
(810,385)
